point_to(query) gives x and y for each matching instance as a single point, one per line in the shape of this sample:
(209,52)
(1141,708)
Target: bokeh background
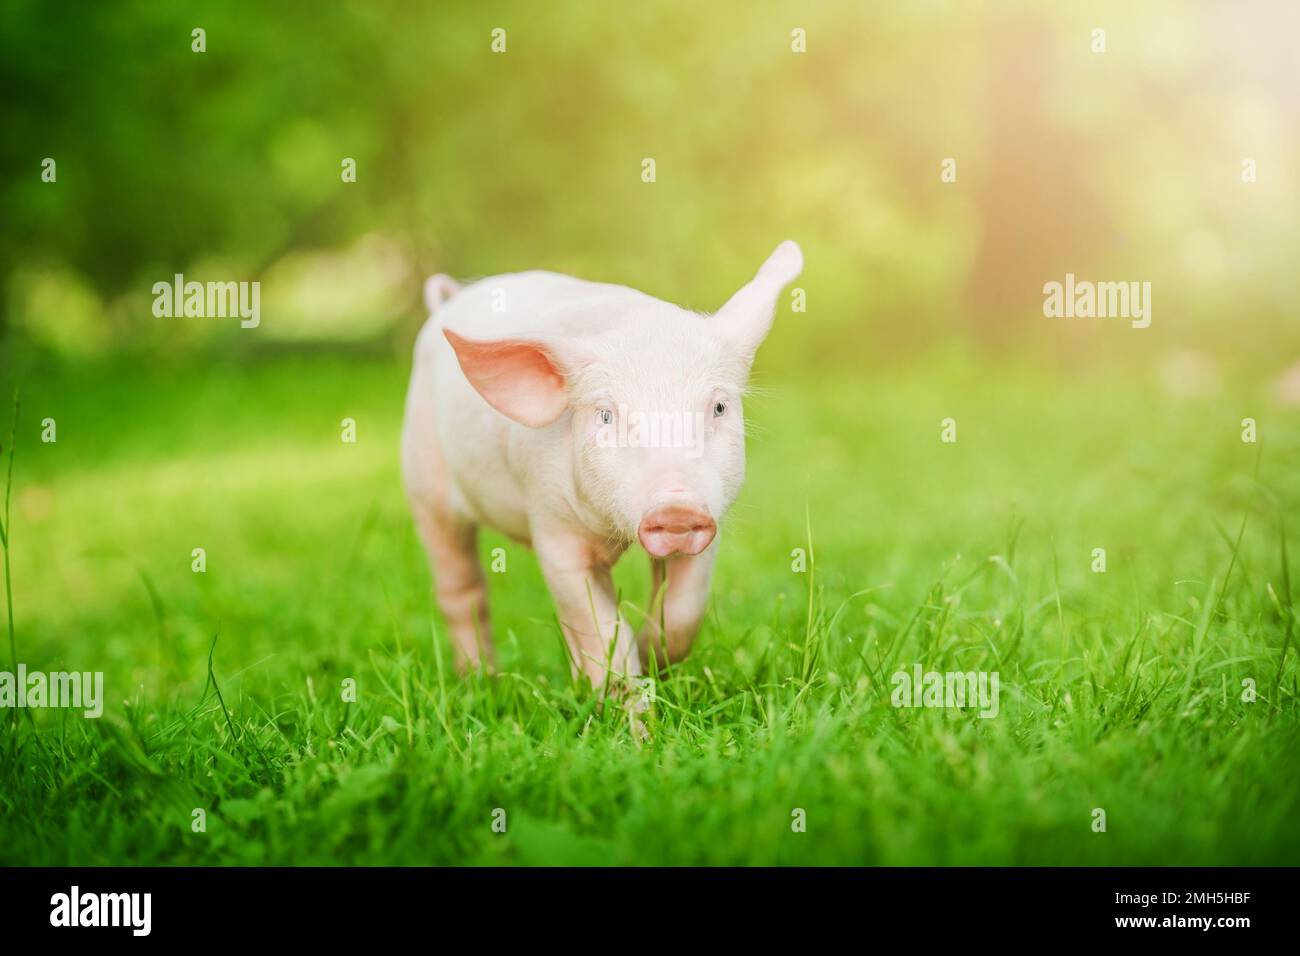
(1118,165)
(924,302)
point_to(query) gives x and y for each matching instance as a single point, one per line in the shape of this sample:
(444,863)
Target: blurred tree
(1038,212)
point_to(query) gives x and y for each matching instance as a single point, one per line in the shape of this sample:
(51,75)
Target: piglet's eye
(605,416)
(719,409)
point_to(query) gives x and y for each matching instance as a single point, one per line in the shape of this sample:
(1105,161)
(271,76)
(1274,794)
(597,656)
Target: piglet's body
(581,418)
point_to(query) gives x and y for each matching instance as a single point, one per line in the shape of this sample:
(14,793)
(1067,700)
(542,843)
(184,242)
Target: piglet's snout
(676,528)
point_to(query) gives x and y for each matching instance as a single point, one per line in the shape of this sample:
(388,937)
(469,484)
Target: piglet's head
(653,397)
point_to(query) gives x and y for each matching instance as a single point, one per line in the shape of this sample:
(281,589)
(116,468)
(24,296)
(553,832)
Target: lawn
(1121,691)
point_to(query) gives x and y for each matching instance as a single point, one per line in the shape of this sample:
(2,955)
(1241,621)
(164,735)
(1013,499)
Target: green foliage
(225,164)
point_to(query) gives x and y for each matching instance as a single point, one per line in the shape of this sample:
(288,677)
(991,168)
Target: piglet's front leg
(674,617)
(601,643)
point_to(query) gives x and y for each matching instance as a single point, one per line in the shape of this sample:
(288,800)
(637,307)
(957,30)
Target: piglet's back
(548,302)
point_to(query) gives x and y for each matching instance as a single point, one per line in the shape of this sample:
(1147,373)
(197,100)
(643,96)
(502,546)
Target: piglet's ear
(522,378)
(747,317)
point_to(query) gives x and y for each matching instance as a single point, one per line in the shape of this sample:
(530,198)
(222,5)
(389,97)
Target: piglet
(579,417)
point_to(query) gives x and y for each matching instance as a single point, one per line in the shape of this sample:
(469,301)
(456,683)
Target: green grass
(1120,690)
